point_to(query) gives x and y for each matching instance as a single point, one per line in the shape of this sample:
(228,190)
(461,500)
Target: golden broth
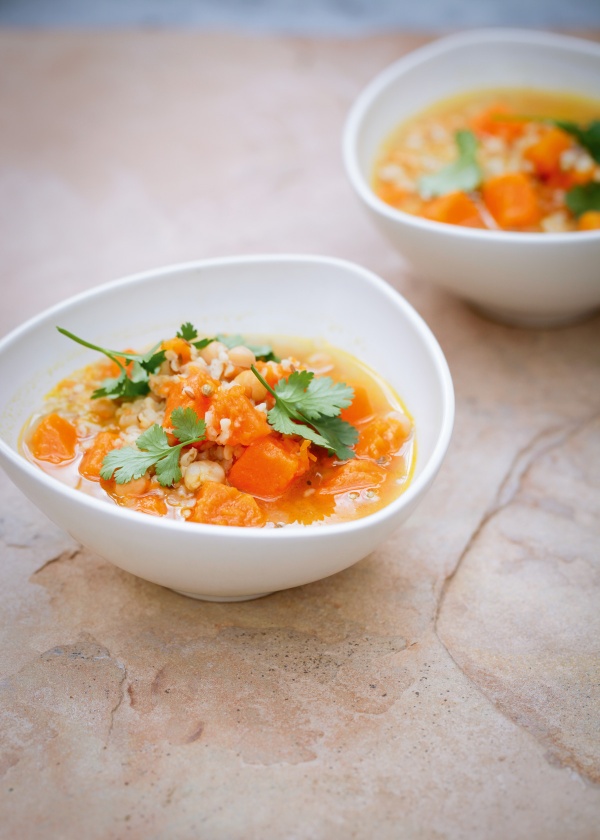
(314,497)
(539,162)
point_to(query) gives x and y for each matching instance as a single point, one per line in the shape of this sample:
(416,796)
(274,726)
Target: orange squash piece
(512,200)
(455,208)
(360,408)
(247,424)
(590,220)
(546,153)
(218,504)
(382,437)
(179,346)
(490,121)
(91,463)
(187,393)
(354,475)
(152,503)
(54,440)
(390,193)
(268,466)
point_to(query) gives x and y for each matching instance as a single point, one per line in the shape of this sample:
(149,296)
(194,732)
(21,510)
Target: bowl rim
(415,489)
(423,55)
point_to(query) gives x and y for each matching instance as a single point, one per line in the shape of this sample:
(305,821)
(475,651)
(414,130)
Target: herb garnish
(587,136)
(189,332)
(462,174)
(583,198)
(264,352)
(124,386)
(302,399)
(152,450)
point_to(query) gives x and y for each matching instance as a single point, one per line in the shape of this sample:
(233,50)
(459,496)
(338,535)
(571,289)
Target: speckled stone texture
(448,686)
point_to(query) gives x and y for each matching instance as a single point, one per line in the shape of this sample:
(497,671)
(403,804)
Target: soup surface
(228,432)
(520,160)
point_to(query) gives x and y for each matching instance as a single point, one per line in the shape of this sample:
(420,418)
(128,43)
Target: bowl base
(219,598)
(521,319)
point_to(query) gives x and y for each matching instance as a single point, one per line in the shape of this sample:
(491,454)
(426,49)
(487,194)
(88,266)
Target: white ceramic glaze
(533,279)
(272,295)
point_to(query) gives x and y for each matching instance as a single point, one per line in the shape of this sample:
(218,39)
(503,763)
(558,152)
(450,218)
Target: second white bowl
(531,279)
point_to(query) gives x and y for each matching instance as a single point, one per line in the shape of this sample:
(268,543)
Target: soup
(517,160)
(222,430)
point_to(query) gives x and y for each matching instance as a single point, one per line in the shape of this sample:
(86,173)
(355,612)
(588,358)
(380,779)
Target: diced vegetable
(589,220)
(268,467)
(390,193)
(455,209)
(382,437)
(243,422)
(354,475)
(91,463)
(219,504)
(545,155)
(512,200)
(54,440)
(179,346)
(360,408)
(492,121)
(193,392)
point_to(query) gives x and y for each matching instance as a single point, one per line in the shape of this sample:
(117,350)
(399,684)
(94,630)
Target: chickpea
(251,385)
(241,356)
(212,351)
(200,471)
(132,488)
(103,409)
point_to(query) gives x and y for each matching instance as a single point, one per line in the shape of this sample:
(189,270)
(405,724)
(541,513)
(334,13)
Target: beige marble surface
(448,686)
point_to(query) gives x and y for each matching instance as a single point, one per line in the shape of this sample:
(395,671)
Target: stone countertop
(447,686)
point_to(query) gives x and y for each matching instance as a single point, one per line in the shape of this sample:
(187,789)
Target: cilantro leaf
(339,434)
(152,450)
(167,468)
(291,390)
(583,198)
(187,331)
(121,387)
(309,407)
(151,361)
(463,174)
(186,425)
(587,136)
(127,463)
(326,398)
(204,342)
(124,386)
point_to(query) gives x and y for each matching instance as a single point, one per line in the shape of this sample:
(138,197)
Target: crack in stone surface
(71,554)
(556,754)
(538,446)
(122,692)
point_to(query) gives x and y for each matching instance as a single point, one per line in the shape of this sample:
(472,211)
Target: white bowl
(271,295)
(533,279)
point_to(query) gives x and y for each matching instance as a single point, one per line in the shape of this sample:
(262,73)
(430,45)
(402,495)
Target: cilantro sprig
(125,385)
(462,174)
(588,136)
(264,352)
(309,407)
(189,332)
(582,198)
(152,449)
